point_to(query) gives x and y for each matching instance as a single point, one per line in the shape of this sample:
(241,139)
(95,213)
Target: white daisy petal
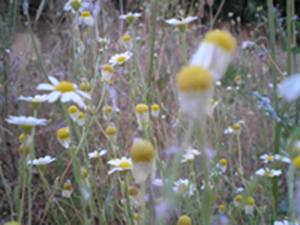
(52,97)
(45,87)
(53,80)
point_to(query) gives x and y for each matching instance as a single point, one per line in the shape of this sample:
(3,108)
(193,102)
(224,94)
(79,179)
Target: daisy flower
(142,155)
(155,109)
(195,89)
(67,189)
(64,137)
(126,41)
(130,17)
(73,112)
(107,112)
(238,200)
(184,220)
(107,71)
(267,158)
(289,89)
(266,172)
(120,59)
(86,18)
(285,222)
(65,91)
(184,187)
(223,163)
(34,99)
(97,154)
(42,161)
(122,164)
(215,52)
(73,6)
(190,155)
(26,123)
(81,119)
(181,23)
(142,115)
(249,206)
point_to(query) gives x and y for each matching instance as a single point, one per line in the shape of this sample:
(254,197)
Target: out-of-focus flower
(65,90)
(223,163)
(195,90)
(142,154)
(97,154)
(184,187)
(190,154)
(42,161)
(111,132)
(73,6)
(67,189)
(235,128)
(155,109)
(126,41)
(34,99)
(81,119)
(120,59)
(222,208)
(248,45)
(122,164)
(64,137)
(26,123)
(12,223)
(181,23)
(249,205)
(142,115)
(238,200)
(289,89)
(86,18)
(266,172)
(73,112)
(267,158)
(215,52)
(107,112)
(130,17)
(85,86)
(184,220)
(107,72)
(296,162)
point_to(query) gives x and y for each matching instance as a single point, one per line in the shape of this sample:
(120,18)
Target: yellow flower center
(193,78)
(141,108)
(108,68)
(85,86)
(121,59)
(84,172)
(184,220)
(75,4)
(73,109)
(238,198)
(23,137)
(270,158)
(110,131)
(130,19)
(65,86)
(126,38)
(142,151)
(68,186)
(223,162)
(63,133)
(181,27)
(155,107)
(124,165)
(107,109)
(81,115)
(296,162)
(236,126)
(222,208)
(250,201)
(222,39)
(85,14)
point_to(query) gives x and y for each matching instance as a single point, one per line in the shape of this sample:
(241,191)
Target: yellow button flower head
(126,41)
(84,172)
(142,115)
(107,112)
(85,86)
(222,39)
(142,151)
(155,108)
(67,189)
(222,208)
(133,191)
(142,154)
(249,207)
(223,164)
(184,220)
(141,108)
(75,4)
(296,162)
(111,131)
(73,112)
(81,118)
(237,201)
(63,136)
(193,78)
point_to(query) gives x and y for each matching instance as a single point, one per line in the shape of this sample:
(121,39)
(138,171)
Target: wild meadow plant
(141,133)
